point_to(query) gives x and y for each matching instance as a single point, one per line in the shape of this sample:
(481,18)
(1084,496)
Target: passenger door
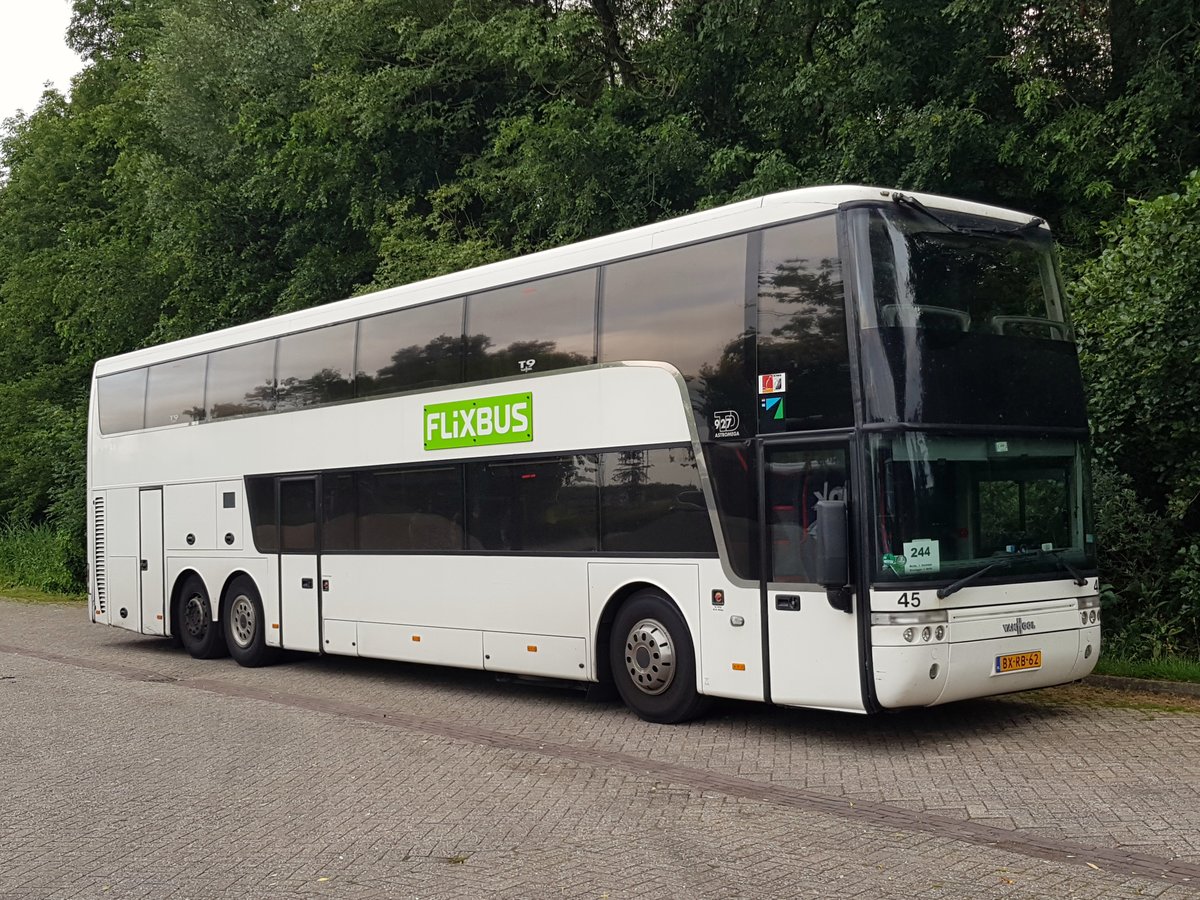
(299,564)
(813,648)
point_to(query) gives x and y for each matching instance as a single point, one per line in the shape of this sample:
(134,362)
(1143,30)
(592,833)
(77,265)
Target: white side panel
(153,592)
(420,643)
(531,654)
(268,587)
(732,653)
(124,539)
(814,652)
(229,502)
(679,581)
(298,593)
(492,593)
(340,637)
(189,510)
(125,608)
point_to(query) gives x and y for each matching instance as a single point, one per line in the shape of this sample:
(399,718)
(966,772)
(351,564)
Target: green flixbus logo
(507,419)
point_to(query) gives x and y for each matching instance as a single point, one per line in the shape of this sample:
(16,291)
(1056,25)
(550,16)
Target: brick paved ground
(128,769)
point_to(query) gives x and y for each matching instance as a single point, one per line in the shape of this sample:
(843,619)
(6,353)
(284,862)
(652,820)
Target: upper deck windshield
(962,321)
(943,507)
(950,272)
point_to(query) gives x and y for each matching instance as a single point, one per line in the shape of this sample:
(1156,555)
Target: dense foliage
(222,160)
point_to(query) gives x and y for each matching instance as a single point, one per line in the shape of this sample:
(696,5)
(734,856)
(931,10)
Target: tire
(244,624)
(653,661)
(200,634)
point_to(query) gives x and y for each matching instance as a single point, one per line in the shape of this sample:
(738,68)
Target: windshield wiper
(955,586)
(1074,573)
(911,203)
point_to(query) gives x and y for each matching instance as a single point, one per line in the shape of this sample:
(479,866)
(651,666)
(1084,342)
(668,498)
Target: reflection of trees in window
(260,399)
(801,303)
(802,324)
(541,356)
(631,469)
(325,386)
(417,366)
(651,501)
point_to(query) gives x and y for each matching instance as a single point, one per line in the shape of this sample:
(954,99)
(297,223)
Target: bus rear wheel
(653,661)
(200,635)
(244,624)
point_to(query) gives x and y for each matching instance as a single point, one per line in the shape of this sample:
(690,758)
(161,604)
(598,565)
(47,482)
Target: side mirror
(833,561)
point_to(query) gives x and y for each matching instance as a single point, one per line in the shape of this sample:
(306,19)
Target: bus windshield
(954,273)
(945,506)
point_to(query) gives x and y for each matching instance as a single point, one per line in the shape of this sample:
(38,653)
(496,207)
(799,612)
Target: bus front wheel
(244,624)
(653,661)
(201,636)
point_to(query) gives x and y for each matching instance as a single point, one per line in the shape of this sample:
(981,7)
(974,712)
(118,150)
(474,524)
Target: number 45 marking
(910,600)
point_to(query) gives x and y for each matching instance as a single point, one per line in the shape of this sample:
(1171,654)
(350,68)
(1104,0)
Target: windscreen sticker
(894,562)
(922,555)
(772,407)
(772,384)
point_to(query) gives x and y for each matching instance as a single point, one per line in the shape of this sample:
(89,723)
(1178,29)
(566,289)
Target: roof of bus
(711,223)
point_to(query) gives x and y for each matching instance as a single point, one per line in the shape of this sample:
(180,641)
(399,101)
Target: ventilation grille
(99,564)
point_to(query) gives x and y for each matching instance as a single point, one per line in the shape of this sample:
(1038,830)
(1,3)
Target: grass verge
(33,595)
(37,560)
(1168,668)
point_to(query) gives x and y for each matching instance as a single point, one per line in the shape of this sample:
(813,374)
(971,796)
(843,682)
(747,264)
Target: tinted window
(315,367)
(650,501)
(410,509)
(802,327)
(122,401)
(410,349)
(241,380)
(796,480)
(533,505)
(175,392)
(732,468)
(260,498)
(532,327)
(298,515)
(338,511)
(686,307)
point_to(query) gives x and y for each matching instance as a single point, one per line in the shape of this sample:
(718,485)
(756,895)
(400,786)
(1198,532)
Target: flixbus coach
(826,448)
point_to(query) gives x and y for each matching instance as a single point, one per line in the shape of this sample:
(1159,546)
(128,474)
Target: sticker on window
(921,556)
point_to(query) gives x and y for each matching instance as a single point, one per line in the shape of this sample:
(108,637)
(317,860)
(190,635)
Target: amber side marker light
(739,667)
(416,639)
(532,648)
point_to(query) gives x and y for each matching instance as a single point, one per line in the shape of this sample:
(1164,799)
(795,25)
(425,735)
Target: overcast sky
(33,50)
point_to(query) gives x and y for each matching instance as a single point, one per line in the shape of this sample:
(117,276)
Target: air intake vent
(99,565)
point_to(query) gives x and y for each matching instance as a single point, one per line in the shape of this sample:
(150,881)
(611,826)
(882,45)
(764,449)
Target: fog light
(909,634)
(1087,652)
(1092,617)
(933,670)
(940,633)
(1083,617)
(925,633)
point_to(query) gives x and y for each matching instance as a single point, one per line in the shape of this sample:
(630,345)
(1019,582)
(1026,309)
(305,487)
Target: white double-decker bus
(826,448)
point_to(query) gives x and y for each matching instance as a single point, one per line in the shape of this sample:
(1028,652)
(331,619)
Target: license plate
(1018,662)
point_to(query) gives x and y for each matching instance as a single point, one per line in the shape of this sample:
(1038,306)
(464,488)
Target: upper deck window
(533,327)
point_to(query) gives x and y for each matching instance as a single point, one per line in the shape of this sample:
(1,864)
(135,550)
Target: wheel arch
(234,576)
(177,594)
(608,613)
